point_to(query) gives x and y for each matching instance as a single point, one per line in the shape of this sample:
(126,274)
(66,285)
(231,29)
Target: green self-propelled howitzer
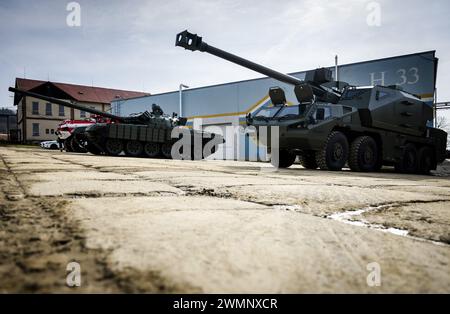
(147,134)
(335,124)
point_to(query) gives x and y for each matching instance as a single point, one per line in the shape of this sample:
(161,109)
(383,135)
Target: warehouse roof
(80,93)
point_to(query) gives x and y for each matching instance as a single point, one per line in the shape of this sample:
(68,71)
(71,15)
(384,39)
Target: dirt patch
(37,241)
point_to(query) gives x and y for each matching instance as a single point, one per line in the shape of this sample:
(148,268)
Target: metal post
(336,62)
(181,98)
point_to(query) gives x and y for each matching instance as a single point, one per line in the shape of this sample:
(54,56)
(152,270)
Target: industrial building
(38,120)
(228,104)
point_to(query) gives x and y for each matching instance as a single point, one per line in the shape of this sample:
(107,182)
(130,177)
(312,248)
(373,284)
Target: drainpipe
(181,98)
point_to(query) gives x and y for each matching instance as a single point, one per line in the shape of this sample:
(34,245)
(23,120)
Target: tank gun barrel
(194,42)
(66,104)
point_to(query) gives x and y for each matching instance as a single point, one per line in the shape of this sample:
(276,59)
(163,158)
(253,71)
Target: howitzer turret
(145,134)
(335,124)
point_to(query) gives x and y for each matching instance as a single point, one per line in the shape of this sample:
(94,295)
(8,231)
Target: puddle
(346,217)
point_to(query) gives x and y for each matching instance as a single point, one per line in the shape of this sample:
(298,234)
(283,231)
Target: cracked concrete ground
(141,225)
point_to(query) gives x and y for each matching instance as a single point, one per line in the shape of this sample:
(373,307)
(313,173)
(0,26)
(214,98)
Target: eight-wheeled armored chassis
(335,124)
(147,134)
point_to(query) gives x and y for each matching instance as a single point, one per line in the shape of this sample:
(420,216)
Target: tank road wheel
(166,150)
(152,150)
(113,147)
(93,149)
(308,160)
(287,159)
(363,155)
(76,146)
(426,161)
(409,160)
(134,148)
(334,154)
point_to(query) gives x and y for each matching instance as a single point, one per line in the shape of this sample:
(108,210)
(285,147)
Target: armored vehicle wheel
(113,147)
(166,150)
(409,160)
(93,149)
(134,148)
(334,154)
(308,160)
(287,159)
(364,155)
(152,150)
(426,160)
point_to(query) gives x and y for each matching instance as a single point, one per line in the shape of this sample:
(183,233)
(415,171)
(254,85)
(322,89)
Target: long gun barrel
(66,104)
(303,89)
(194,42)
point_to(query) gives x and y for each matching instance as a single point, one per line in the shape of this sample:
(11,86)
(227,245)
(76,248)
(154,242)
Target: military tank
(335,124)
(148,134)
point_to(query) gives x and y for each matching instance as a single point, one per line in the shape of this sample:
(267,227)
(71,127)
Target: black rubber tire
(308,160)
(113,147)
(166,150)
(364,155)
(334,153)
(426,160)
(287,159)
(409,160)
(54,146)
(91,148)
(134,148)
(152,150)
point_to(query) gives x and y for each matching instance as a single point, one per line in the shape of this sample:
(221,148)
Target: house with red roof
(37,120)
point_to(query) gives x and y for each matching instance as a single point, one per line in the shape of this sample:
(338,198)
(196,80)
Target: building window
(35,108)
(48,109)
(35,129)
(82,114)
(47,131)
(52,131)
(61,111)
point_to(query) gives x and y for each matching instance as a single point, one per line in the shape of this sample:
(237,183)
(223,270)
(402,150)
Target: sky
(131,44)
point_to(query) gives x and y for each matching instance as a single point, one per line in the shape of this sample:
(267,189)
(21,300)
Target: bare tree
(7,111)
(442,123)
